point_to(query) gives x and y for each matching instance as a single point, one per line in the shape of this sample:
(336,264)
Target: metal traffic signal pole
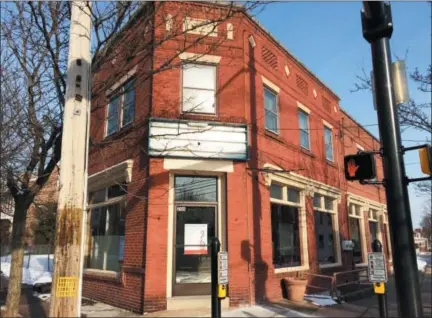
(377,30)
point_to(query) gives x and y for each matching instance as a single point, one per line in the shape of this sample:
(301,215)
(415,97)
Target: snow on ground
(37,269)
(421,264)
(320,300)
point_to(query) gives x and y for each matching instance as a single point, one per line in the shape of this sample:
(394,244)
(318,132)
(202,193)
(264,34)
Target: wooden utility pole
(68,255)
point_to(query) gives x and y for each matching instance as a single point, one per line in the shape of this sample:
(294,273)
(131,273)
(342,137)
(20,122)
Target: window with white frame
(271,110)
(356,232)
(325,229)
(286,227)
(106,228)
(121,107)
(388,249)
(199,88)
(328,141)
(373,225)
(304,129)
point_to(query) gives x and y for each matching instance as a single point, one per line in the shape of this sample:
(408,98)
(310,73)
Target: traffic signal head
(360,166)
(426,159)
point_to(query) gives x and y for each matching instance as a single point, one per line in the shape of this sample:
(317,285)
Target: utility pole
(68,255)
(377,29)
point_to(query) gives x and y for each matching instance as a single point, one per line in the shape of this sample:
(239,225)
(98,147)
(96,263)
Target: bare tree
(426,220)
(412,115)
(34,51)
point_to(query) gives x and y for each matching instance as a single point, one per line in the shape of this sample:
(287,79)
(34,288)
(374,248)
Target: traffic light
(360,166)
(426,159)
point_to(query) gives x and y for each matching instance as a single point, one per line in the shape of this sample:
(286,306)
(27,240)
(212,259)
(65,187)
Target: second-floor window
(121,108)
(304,129)
(328,140)
(199,88)
(271,110)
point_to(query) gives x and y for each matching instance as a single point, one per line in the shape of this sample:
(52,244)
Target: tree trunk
(17,260)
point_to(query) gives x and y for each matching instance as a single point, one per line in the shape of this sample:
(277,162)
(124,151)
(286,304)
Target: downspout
(247,117)
(151,8)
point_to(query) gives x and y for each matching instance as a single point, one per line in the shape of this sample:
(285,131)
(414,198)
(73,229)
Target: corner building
(232,138)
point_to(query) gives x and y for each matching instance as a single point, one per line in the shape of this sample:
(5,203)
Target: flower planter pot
(295,289)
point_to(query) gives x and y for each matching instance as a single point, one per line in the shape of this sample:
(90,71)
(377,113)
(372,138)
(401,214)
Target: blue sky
(327,38)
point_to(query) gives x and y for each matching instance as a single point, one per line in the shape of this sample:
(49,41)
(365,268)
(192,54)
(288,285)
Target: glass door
(195,226)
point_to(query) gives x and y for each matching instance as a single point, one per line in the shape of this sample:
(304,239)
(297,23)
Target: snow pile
(320,300)
(37,269)
(421,264)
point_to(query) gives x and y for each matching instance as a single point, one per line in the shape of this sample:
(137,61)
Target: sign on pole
(222,268)
(360,166)
(377,272)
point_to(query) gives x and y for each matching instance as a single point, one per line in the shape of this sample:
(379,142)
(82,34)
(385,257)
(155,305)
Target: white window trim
(201,58)
(303,108)
(221,220)
(277,109)
(121,172)
(304,251)
(270,84)
(121,81)
(335,221)
(308,129)
(359,147)
(195,62)
(362,232)
(200,27)
(325,145)
(385,222)
(365,204)
(327,124)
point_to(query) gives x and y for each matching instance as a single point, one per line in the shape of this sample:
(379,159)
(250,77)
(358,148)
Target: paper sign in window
(195,239)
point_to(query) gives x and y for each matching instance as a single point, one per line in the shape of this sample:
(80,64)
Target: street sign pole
(377,29)
(215,301)
(379,287)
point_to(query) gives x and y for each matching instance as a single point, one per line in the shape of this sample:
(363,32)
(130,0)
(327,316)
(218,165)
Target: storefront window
(285,209)
(195,189)
(356,232)
(107,229)
(285,235)
(325,230)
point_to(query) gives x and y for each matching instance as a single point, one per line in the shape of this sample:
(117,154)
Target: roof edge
(344,111)
(278,43)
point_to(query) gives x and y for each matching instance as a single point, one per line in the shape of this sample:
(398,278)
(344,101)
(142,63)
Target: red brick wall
(44,202)
(239,99)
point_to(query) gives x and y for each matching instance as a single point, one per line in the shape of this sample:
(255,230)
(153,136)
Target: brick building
(228,135)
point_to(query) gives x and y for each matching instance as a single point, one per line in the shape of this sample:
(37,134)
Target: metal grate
(302,84)
(269,57)
(326,104)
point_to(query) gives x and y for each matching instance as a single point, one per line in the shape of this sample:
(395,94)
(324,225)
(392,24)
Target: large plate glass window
(106,228)
(356,232)
(325,229)
(286,228)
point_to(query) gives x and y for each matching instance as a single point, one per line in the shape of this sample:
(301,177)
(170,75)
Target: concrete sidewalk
(368,307)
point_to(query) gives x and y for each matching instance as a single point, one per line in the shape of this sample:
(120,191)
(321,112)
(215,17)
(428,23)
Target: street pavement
(32,306)
(368,307)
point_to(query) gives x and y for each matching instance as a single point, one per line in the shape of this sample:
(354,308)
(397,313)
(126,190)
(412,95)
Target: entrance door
(195,224)
(195,227)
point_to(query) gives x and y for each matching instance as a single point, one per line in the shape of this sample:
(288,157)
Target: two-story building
(216,130)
